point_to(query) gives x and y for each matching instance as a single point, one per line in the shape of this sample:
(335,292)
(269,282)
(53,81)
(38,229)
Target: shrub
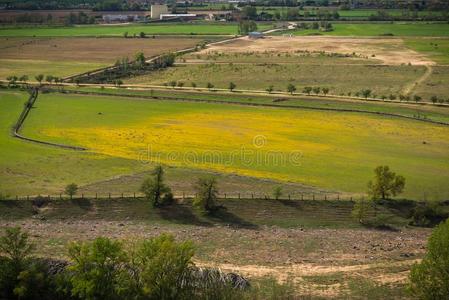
(207,194)
(155,189)
(71,189)
(430,278)
(97,269)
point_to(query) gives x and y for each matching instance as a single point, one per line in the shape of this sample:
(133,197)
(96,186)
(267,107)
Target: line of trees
(155,268)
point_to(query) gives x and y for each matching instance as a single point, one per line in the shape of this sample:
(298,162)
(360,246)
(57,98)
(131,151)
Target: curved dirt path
(412,86)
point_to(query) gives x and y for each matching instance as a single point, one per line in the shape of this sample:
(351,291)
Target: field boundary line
(255,105)
(22,118)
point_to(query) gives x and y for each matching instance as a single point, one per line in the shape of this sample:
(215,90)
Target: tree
(316,90)
(49,78)
(232,86)
(142,34)
(155,189)
(434,99)
(180,84)
(172,83)
(15,250)
(307,90)
(430,278)
(386,183)
(207,194)
(325,90)
(247,26)
(125,34)
(165,268)
(11,80)
(39,78)
(361,210)
(270,89)
(193,84)
(209,86)
(140,60)
(23,78)
(118,82)
(291,88)
(417,98)
(366,93)
(71,189)
(277,192)
(96,269)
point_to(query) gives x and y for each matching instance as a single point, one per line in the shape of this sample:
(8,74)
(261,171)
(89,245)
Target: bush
(427,215)
(97,269)
(430,278)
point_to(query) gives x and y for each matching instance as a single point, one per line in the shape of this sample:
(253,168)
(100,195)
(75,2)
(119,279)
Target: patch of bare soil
(391,51)
(88,49)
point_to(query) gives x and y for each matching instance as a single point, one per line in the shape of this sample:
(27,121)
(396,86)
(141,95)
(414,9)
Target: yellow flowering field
(332,150)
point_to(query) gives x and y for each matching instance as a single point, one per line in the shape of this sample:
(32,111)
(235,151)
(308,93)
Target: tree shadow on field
(181,214)
(292,203)
(222,215)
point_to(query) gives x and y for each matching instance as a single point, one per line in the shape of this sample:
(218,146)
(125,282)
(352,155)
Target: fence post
(134,195)
(252,196)
(239,196)
(122,195)
(313,196)
(109,195)
(96,195)
(289,198)
(28,197)
(325,197)
(17,197)
(225,195)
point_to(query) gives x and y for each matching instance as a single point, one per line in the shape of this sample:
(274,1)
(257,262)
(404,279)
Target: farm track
(261,105)
(411,87)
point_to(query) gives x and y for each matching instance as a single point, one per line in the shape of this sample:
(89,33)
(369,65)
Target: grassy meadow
(119,30)
(436,49)
(334,151)
(339,78)
(369,29)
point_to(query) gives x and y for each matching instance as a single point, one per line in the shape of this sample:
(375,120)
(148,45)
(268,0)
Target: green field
(396,29)
(102,30)
(338,150)
(432,113)
(19,67)
(436,49)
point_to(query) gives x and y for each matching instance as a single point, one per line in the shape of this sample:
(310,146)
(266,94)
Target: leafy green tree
(361,210)
(180,84)
(270,89)
(155,190)
(434,99)
(49,78)
(429,279)
(39,78)
(142,34)
(96,269)
(193,84)
(207,194)
(386,183)
(209,86)
(325,90)
(12,80)
(140,60)
(23,78)
(316,90)
(277,192)
(366,93)
(164,267)
(172,83)
(291,88)
(15,250)
(417,98)
(307,90)
(232,86)
(71,190)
